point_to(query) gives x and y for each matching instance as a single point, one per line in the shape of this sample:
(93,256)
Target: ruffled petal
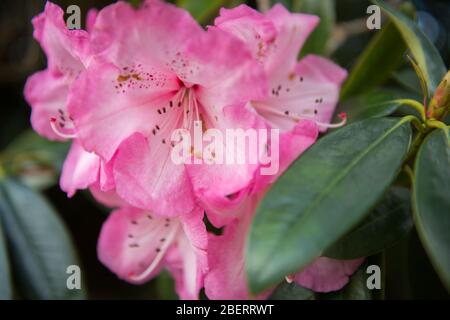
(187,261)
(109,198)
(214,183)
(46,93)
(133,243)
(226,278)
(291,145)
(80,170)
(310,92)
(65,49)
(149,178)
(325,274)
(274,38)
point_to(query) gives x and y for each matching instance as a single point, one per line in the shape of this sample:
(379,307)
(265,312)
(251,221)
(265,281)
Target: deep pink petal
(109,198)
(65,49)
(156,31)
(225,71)
(80,170)
(291,145)
(226,278)
(45,93)
(148,178)
(325,274)
(187,260)
(215,183)
(120,106)
(274,38)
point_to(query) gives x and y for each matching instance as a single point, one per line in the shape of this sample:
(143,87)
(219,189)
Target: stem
(413,104)
(438,125)
(415,145)
(409,173)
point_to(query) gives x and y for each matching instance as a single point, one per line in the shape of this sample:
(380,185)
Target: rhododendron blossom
(298,91)
(132,91)
(156,70)
(68,54)
(136,244)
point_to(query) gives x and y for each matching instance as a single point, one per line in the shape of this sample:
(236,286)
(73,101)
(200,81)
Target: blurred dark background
(20,56)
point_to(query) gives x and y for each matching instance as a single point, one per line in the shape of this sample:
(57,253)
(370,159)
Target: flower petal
(120,106)
(310,92)
(80,170)
(133,242)
(148,178)
(226,278)
(187,261)
(65,49)
(45,93)
(325,274)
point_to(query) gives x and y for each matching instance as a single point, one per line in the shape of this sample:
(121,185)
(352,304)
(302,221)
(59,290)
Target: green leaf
(291,291)
(317,41)
(202,11)
(408,79)
(376,104)
(356,289)
(431,201)
(322,196)
(425,53)
(41,249)
(135,3)
(382,56)
(37,161)
(385,225)
(166,286)
(5,276)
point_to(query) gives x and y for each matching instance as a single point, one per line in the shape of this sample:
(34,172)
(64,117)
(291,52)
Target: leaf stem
(409,172)
(413,104)
(417,141)
(432,123)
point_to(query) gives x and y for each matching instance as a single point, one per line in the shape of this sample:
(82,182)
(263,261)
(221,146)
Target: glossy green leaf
(390,221)
(370,105)
(382,56)
(317,41)
(41,248)
(291,291)
(5,275)
(409,80)
(356,289)
(431,200)
(425,53)
(322,196)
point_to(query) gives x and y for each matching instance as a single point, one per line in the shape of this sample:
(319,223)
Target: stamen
(290,278)
(342,116)
(56,129)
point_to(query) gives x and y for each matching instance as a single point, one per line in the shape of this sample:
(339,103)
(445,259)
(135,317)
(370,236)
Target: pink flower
(226,278)
(47,92)
(67,53)
(156,70)
(135,244)
(301,97)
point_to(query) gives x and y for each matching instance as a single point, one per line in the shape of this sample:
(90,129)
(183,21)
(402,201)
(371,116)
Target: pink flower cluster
(119,89)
